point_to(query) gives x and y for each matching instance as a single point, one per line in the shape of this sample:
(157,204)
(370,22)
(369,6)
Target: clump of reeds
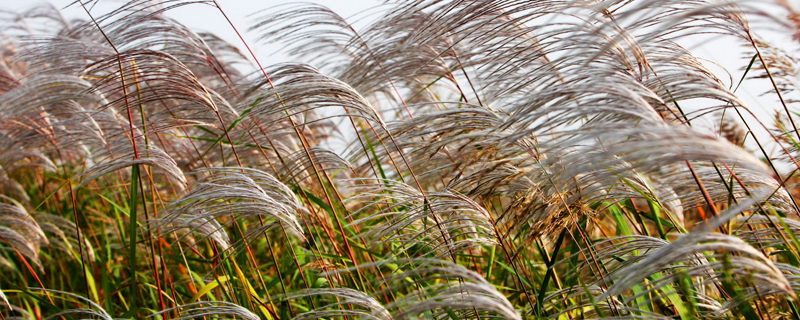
(461,160)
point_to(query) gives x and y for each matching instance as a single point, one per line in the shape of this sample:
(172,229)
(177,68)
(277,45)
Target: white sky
(200,17)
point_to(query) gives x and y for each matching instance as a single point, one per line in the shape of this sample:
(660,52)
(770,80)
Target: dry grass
(462,160)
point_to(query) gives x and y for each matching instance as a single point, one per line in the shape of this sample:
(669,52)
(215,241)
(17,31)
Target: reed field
(428,159)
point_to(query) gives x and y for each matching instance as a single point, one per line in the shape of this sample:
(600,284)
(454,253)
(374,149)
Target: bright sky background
(201,17)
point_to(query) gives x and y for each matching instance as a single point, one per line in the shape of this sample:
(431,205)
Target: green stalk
(132,233)
(549,273)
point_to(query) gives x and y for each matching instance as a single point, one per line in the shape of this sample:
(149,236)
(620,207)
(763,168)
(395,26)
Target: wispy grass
(449,160)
